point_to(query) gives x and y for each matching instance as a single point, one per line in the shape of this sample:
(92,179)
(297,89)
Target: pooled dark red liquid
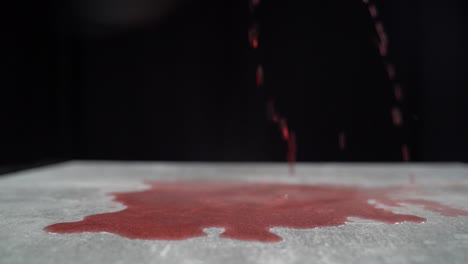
(181,210)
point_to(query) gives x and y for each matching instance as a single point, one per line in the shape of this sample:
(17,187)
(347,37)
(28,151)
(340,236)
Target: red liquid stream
(286,133)
(181,210)
(382,44)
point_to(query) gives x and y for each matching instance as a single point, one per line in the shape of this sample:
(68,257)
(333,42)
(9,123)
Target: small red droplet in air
(342,140)
(405,152)
(398,92)
(380,30)
(285,133)
(383,40)
(284,129)
(292,152)
(271,113)
(255,3)
(253,36)
(383,49)
(275,118)
(259,76)
(373,11)
(255,43)
(391,71)
(396,116)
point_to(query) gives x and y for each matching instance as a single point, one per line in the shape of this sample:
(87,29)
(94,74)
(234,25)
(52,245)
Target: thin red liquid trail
(259,76)
(396,117)
(292,153)
(342,140)
(395,111)
(373,11)
(405,152)
(286,133)
(391,72)
(255,43)
(398,93)
(383,39)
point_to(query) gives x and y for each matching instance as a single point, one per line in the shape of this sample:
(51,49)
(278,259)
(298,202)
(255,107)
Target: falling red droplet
(398,92)
(290,139)
(373,11)
(259,76)
(383,49)
(284,129)
(292,152)
(396,116)
(255,43)
(253,36)
(255,3)
(285,133)
(391,71)
(405,152)
(275,118)
(181,210)
(383,40)
(271,113)
(342,140)
(380,31)
(270,109)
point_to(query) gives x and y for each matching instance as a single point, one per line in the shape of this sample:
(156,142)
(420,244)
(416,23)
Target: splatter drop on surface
(181,210)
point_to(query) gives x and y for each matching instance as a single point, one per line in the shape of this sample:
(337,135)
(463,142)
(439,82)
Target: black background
(177,81)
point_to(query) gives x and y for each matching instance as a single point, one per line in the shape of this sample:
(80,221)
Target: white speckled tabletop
(34,199)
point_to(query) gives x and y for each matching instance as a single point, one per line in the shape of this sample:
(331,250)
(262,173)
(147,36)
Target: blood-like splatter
(181,210)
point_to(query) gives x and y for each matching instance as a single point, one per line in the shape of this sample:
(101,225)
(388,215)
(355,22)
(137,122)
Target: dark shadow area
(175,80)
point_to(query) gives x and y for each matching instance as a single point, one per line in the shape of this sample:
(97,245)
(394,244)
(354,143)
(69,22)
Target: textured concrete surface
(34,199)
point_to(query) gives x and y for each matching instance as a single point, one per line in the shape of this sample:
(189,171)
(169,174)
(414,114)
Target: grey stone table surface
(33,199)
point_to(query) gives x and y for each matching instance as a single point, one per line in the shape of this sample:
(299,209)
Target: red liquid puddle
(181,210)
